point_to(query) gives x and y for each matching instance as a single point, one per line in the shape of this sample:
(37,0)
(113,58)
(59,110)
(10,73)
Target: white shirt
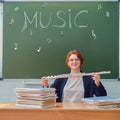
(73,90)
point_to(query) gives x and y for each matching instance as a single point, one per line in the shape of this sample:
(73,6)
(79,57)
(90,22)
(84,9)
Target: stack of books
(31,97)
(102,101)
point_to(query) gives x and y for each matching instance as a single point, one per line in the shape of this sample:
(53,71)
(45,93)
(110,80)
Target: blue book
(102,100)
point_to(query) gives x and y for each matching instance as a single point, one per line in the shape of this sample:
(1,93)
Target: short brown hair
(79,55)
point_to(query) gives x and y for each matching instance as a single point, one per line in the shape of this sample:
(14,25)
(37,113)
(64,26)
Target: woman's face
(74,62)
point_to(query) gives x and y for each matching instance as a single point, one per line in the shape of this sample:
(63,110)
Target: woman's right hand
(44,81)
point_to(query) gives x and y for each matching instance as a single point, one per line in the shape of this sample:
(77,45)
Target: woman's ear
(67,64)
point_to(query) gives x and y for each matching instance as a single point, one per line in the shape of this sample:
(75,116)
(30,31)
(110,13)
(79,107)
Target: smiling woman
(73,88)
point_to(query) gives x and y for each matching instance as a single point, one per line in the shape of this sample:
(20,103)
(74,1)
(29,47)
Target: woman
(72,89)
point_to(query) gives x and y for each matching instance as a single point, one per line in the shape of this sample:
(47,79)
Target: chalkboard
(38,35)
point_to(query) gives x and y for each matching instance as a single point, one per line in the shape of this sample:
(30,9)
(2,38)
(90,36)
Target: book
(32,97)
(35,90)
(35,106)
(102,100)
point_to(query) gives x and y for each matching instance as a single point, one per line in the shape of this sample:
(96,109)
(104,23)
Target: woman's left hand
(96,78)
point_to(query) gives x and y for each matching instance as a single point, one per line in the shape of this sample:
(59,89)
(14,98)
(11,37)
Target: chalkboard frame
(13,55)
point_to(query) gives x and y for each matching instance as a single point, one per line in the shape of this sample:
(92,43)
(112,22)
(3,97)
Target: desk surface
(62,111)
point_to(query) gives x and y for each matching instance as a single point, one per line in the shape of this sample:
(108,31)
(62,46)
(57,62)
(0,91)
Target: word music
(62,18)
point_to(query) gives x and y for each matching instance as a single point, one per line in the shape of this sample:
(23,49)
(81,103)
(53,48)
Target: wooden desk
(66,111)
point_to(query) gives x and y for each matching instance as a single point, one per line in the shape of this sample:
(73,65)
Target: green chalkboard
(38,35)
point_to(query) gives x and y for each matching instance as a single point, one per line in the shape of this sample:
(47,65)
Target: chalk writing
(70,22)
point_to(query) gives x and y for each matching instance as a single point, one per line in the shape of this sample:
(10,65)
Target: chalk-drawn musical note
(39,49)
(93,34)
(44,5)
(107,14)
(99,6)
(16,46)
(16,9)
(11,21)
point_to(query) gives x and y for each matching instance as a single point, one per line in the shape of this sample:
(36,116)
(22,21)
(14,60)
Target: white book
(35,106)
